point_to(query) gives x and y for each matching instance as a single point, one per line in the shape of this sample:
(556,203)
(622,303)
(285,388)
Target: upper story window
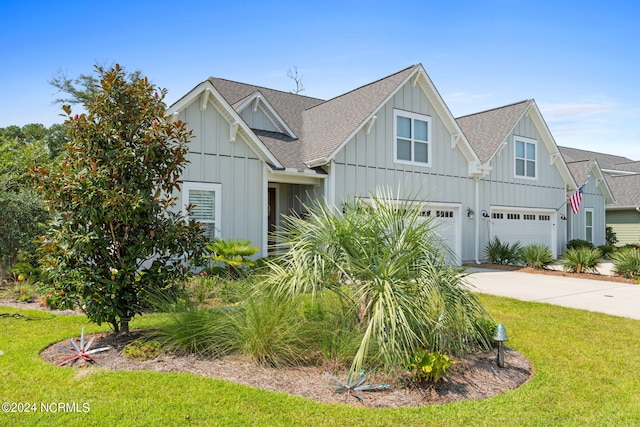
(525,149)
(412,142)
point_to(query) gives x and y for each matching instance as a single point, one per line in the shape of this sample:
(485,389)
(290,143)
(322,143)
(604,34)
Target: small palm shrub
(537,255)
(503,253)
(235,254)
(579,243)
(581,260)
(626,262)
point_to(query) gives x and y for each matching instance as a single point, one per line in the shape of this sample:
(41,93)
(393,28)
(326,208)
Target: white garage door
(524,226)
(446,222)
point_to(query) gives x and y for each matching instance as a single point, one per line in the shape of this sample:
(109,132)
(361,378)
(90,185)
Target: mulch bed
(473,377)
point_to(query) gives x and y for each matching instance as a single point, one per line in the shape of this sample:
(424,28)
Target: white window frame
(587,226)
(412,116)
(526,141)
(187,186)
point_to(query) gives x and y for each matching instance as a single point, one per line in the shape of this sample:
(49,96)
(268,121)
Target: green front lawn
(585,373)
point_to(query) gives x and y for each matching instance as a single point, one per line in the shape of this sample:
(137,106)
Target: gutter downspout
(477,233)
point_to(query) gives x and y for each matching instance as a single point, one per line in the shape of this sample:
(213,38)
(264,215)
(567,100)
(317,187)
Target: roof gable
(332,124)
(488,130)
(206,94)
(582,170)
(258,101)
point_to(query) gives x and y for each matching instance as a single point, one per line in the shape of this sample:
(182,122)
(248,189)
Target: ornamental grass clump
(503,253)
(626,262)
(537,256)
(581,260)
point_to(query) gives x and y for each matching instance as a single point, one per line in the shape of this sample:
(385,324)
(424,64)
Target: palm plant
(537,255)
(387,262)
(627,262)
(581,260)
(233,253)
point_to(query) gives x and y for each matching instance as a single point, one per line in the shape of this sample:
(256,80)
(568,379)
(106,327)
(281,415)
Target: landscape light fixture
(500,336)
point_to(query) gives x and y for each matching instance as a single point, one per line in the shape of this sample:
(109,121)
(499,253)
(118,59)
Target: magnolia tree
(115,233)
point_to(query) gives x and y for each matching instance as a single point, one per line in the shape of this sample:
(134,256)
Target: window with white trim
(205,201)
(588,225)
(525,157)
(412,138)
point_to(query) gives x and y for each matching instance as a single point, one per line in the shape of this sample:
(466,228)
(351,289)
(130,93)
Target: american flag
(575,200)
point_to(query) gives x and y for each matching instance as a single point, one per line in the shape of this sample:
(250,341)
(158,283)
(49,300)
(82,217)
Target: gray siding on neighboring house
(591,199)
(234,165)
(626,224)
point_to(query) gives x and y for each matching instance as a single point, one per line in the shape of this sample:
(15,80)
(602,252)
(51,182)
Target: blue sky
(579,60)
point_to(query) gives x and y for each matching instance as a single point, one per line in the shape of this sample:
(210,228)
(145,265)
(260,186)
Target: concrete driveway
(618,299)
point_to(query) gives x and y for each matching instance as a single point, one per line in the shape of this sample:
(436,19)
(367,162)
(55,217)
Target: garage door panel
(526,227)
(445,222)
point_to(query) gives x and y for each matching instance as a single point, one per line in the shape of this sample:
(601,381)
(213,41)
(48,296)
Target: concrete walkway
(618,299)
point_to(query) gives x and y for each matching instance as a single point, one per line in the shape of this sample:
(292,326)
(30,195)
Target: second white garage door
(446,222)
(526,226)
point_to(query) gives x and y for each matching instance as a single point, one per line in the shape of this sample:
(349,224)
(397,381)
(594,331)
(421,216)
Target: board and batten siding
(591,199)
(366,163)
(503,188)
(626,225)
(234,165)
(258,120)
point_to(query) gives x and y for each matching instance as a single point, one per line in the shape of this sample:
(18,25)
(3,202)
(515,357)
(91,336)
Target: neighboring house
(589,223)
(258,154)
(623,177)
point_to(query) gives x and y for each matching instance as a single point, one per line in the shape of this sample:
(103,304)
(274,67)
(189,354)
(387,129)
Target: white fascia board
(228,113)
(295,177)
(258,99)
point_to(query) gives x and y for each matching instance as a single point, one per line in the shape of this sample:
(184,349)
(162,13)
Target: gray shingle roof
(580,170)
(321,126)
(606,161)
(329,124)
(486,130)
(626,190)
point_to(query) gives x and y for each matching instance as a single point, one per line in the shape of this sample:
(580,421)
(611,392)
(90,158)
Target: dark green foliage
(537,256)
(581,260)
(610,236)
(607,250)
(115,233)
(579,243)
(503,253)
(627,262)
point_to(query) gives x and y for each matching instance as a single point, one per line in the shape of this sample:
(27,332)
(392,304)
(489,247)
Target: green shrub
(428,367)
(503,253)
(607,250)
(142,350)
(627,262)
(610,237)
(537,256)
(581,260)
(579,243)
